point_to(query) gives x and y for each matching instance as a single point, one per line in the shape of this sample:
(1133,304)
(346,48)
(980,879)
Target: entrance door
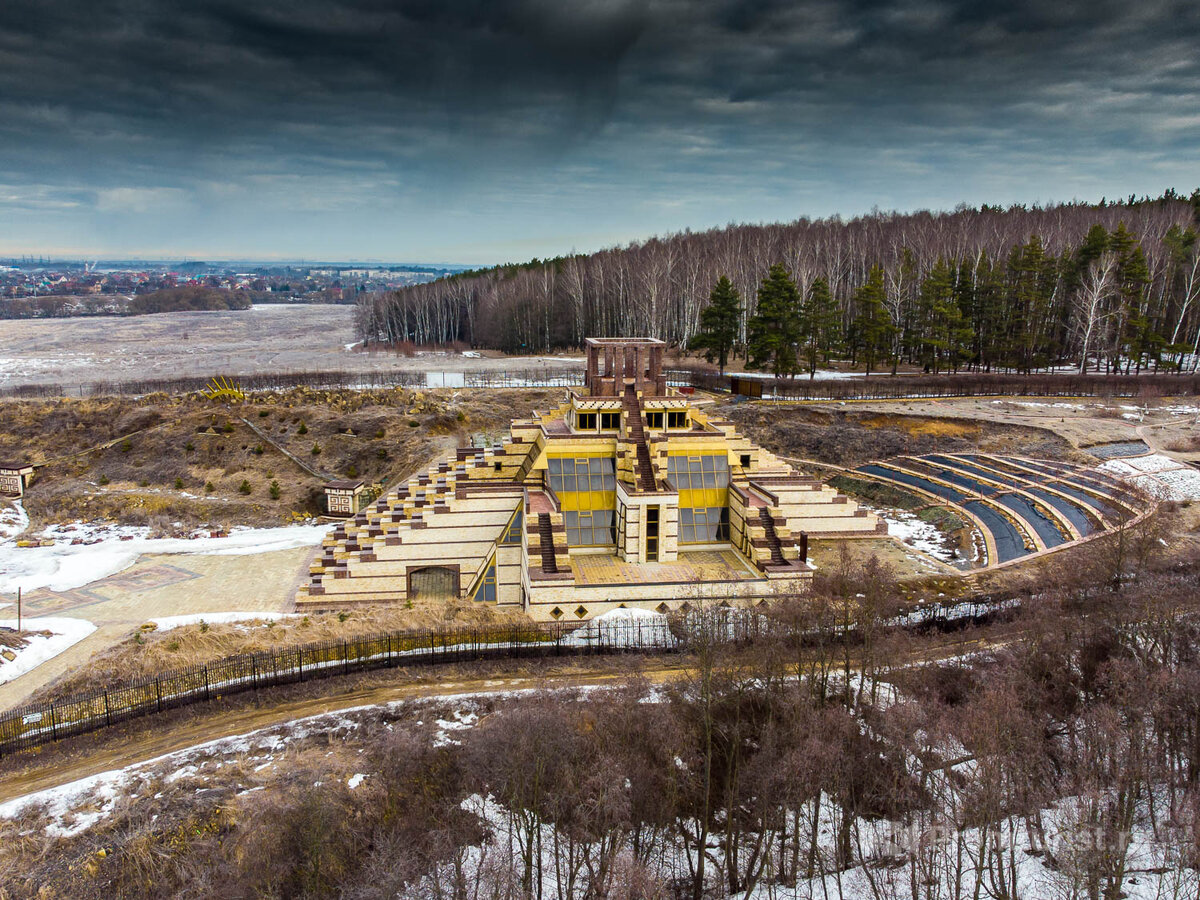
(651,534)
(433,582)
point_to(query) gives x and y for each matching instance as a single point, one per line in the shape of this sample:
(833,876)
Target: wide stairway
(637,431)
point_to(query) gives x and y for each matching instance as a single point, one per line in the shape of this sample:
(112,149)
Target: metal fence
(36,724)
(41,723)
(965,384)
(433,377)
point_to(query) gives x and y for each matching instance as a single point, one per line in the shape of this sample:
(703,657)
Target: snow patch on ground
(64,633)
(624,628)
(13,520)
(83,553)
(918,534)
(355,780)
(166,623)
(1158,475)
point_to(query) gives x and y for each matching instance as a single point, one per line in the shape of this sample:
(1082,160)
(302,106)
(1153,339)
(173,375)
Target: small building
(628,494)
(14,478)
(341,497)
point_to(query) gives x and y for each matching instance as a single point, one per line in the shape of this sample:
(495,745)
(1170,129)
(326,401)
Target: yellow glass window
(610,421)
(677,419)
(703,485)
(585,421)
(586,488)
(654,419)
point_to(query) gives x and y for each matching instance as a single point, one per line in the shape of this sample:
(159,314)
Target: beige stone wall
(598,599)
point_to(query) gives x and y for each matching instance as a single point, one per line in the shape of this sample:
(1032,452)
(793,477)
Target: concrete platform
(692,566)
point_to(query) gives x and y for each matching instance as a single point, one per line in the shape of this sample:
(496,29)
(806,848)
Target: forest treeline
(1094,285)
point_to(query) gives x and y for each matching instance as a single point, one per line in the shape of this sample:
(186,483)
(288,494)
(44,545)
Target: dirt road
(153,743)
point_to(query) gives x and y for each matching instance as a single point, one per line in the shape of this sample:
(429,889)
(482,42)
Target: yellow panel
(582,501)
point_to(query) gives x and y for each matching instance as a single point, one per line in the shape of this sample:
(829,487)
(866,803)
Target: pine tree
(820,324)
(774,330)
(873,325)
(719,322)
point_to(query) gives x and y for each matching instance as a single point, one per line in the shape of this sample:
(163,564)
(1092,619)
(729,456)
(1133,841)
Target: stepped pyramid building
(629,494)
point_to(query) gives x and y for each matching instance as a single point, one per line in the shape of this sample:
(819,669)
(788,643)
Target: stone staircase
(546,534)
(773,542)
(637,433)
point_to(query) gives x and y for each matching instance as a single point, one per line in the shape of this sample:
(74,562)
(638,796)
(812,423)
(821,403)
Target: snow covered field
(39,648)
(83,553)
(1157,475)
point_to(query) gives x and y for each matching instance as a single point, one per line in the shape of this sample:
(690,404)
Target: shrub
(208,487)
(104,479)
(413,423)
(228,429)
(303,429)
(143,483)
(126,445)
(379,433)
(263,413)
(352,472)
(244,487)
(258,450)
(189,446)
(316,450)
(178,484)
(274,490)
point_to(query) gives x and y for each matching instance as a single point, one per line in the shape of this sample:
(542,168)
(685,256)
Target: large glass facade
(703,485)
(586,487)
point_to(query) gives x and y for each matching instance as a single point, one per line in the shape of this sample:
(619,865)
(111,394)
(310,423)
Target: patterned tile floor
(693,566)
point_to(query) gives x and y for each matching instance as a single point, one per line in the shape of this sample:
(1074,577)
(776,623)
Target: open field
(263,339)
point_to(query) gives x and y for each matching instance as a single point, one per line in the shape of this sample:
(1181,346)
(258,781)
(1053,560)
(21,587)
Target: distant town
(46,288)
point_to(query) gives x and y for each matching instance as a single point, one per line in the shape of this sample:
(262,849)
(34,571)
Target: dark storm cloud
(110,102)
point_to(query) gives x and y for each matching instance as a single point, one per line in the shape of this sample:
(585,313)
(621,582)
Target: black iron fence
(41,723)
(966,384)
(851,387)
(433,377)
(44,722)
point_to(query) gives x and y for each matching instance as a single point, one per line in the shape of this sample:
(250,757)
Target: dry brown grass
(149,652)
(179,445)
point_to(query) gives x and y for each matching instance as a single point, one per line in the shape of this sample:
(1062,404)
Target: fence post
(253,671)
(53,723)
(300,662)
(345,658)
(107,716)
(207,692)
(158,692)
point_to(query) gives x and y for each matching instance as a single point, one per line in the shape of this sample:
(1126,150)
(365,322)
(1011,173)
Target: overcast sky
(495,130)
